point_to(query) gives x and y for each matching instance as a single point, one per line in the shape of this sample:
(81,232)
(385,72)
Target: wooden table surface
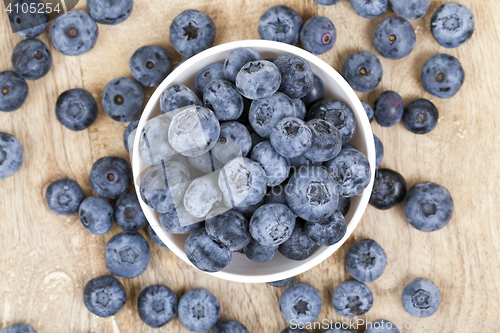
(46,259)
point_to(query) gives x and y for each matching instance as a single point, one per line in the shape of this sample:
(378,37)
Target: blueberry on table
(177,96)
(276,167)
(338,113)
(122,99)
(428,206)
(31,59)
(206,253)
(236,59)
(128,213)
(420,116)
(318,35)
(299,246)
(327,2)
(410,9)
(258,79)
(352,298)
(178,221)
(206,75)
(394,37)
(363,71)
(154,237)
(127,254)
(328,231)
(104,296)
(297,79)
(229,228)
(442,76)
(259,253)
(316,94)
(272,224)
(282,283)
(280,24)
(201,196)
(18,328)
(74,33)
(381,326)
(191,32)
(366,260)
(26,23)
(157,305)
(128,140)
(300,304)
(199,310)
(96,215)
(369,111)
(452,25)
(11,155)
(229,326)
(291,137)
(389,189)
(265,113)
(110,11)
(379,151)
(234,140)
(110,177)
(350,170)
(326,141)
(421,298)
(389,108)
(223,99)
(64,196)
(153,146)
(344,205)
(150,65)
(76,109)
(370,9)
(13,91)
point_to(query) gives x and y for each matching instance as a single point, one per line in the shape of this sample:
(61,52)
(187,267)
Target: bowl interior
(242,269)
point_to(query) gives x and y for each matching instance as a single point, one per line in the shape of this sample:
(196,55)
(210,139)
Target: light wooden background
(46,259)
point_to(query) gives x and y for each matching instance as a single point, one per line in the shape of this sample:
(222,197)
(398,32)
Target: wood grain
(45,259)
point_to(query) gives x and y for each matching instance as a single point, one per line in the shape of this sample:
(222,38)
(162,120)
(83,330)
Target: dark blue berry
(350,170)
(421,298)
(259,253)
(352,298)
(26,23)
(11,155)
(394,37)
(300,108)
(110,11)
(371,8)
(265,113)
(379,151)
(110,177)
(277,167)
(128,213)
(452,24)
(157,305)
(326,141)
(369,111)
(96,215)
(299,246)
(420,116)
(205,253)
(258,79)
(389,108)
(18,328)
(178,221)
(199,310)
(229,326)
(389,189)
(316,94)
(381,326)
(74,33)
(336,112)
(104,296)
(13,91)
(297,78)
(291,137)
(177,96)
(328,231)
(272,224)
(234,140)
(363,71)
(127,139)
(344,205)
(31,59)
(236,59)
(206,75)
(318,35)
(150,65)
(442,76)
(191,32)
(412,9)
(155,238)
(222,97)
(127,254)
(280,24)
(64,196)
(230,228)
(300,304)
(76,109)
(122,99)
(366,260)
(282,283)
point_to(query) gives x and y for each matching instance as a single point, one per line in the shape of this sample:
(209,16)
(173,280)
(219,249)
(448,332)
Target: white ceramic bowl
(242,269)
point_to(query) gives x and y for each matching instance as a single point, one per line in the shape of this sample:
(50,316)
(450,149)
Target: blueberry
(420,116)
(352,298)
(229,326)
(122,99)
(247,211)
(389,108)
(236,59)
(366,260)
(299,246)
(222,97)
(31,59)
(206,163)
(199,310)
(379,151)
(282,283)
(234,140)
(64,196)
(128,213)
(363,71)
(259,253)
(26,23)
(191,32)
(265,113)
(157,305)
(127,254)
(381,326)
(104,296)
(452,24)
(277,167)
(258,79)
(394,37)
(411,10)
(179,221)
(96,215)
(291,137)
(327,2)
(177,96)
(163,186)
(194,131)
(326,141)
(154,237)
(110,177)
(276,194)
(109,11)
(370,9)
(300,304)
(344,205)
(421,298)
(369,111)
(74,33)
(297,78)
(318,35)
(389,189)
(128,140)
(228,227)
(272,224)
(242,182)
(280,24)
(150,65)
(206,75)
(300,108)
(206,253)
(76,109)
(201,196)
(311,194)
(428,206)
(153,146)
(316,94)
(13,91)
(328,231)
(442,76)
(301,162)
(338,113)
(18,328)
(11,155)
(350,170)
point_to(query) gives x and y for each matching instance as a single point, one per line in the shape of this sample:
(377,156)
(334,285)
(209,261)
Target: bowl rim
(302,266)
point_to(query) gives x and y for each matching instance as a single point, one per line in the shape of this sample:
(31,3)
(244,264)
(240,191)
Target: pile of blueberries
(273,111)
